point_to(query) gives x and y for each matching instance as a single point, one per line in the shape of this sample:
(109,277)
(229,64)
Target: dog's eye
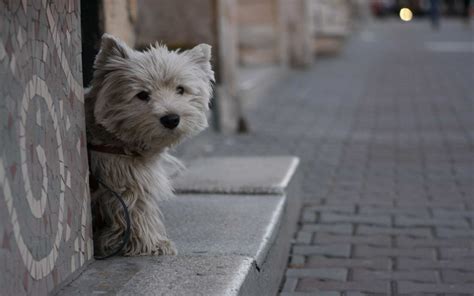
(180,90)
(144,96)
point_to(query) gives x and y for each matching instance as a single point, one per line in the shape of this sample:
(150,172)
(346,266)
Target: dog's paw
(165,247)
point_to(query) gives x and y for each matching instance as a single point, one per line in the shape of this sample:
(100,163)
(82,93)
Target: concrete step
(239,175)
(233,243)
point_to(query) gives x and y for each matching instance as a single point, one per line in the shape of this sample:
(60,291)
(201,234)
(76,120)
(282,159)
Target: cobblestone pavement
(385,134)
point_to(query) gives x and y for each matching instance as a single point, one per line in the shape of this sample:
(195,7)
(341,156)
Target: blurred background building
(253,41)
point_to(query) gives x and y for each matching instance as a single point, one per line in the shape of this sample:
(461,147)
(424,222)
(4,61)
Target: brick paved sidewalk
(385,133)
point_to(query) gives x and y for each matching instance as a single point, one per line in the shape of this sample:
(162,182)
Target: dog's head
(152,98)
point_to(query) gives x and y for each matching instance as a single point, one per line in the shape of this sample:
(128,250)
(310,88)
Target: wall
(177,23)
(119,18)
(44,198)
(331,17)
(259,32)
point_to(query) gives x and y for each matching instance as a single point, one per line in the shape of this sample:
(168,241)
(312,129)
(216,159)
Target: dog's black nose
(170,121)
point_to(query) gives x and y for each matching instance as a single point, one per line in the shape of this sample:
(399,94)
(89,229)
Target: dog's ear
(201,55)
(112,49)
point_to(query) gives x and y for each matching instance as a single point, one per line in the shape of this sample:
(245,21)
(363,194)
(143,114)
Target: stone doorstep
(238,175)
(163,275)
(224,224)
(228,244)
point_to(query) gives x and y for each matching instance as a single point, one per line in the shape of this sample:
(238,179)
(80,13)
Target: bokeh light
(406,15)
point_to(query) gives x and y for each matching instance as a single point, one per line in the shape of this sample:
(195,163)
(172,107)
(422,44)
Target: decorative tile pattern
(45,232)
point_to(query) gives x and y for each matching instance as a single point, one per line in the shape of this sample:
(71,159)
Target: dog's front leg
(148,234)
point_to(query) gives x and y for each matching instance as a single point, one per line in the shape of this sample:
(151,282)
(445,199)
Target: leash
(126,234)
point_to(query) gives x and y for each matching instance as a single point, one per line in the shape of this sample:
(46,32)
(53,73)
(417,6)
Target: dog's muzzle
(170,121)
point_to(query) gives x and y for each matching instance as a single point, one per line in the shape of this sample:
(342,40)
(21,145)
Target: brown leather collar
(111,150)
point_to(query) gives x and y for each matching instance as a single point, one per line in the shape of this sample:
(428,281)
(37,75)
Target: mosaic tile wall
(45,230)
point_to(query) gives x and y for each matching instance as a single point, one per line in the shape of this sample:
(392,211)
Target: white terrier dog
(138,105)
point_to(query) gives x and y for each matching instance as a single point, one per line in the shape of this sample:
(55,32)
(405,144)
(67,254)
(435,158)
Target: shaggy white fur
(141,103)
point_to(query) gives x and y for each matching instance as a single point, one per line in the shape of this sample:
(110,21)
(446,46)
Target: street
(385,135)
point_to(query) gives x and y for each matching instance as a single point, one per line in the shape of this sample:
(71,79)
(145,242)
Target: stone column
(298,31)
(228,104)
